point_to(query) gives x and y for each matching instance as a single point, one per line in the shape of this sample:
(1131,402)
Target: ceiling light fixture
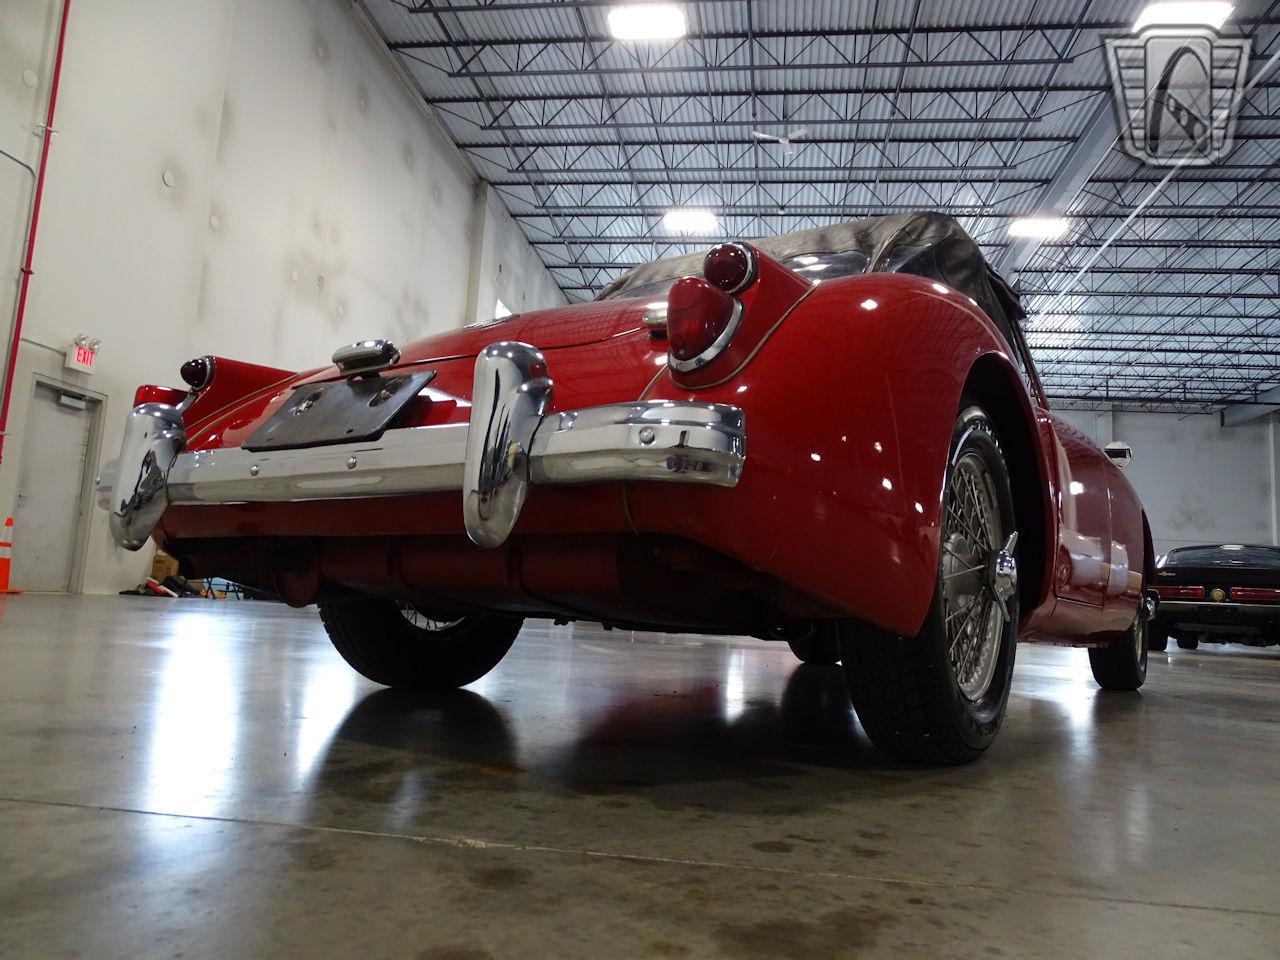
(1184,13)
(1042,228)
(647,21)
(690,221)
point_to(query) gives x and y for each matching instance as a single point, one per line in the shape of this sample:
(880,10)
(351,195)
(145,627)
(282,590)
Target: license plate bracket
(340,411)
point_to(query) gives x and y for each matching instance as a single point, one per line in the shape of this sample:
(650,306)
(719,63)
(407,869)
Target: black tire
(1188,643)
(905,689)
(1157,638)
(820,646)
(378,640)
(1122,664)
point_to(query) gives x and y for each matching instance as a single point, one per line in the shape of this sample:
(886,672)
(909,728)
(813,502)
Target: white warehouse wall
(314,201)
(1199,482)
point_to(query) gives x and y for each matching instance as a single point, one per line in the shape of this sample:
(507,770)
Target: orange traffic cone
(6,548)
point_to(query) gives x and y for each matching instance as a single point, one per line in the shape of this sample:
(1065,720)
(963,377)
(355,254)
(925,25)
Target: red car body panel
(850,400)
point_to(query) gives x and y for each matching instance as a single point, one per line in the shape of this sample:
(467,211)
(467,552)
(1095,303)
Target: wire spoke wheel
(939,696)
(426,621)
(977,575)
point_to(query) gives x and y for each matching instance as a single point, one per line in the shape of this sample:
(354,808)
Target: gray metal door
(47,520)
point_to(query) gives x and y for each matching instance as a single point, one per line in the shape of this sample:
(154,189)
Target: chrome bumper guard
(510,443)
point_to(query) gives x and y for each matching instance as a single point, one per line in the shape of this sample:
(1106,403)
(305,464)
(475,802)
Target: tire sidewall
(977,721)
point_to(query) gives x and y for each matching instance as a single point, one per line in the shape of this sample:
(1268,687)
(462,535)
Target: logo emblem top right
(1177,90)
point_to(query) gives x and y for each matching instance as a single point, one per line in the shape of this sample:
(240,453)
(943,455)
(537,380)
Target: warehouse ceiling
(1162,294)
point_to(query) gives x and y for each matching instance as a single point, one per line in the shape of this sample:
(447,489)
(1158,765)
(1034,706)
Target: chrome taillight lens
(701,320)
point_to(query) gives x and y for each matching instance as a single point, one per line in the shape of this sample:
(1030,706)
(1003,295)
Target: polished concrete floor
(209,779)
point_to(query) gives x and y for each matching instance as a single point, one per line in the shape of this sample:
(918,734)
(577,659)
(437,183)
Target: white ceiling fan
(786,139)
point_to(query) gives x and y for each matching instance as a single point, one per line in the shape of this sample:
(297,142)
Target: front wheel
(1188,643)
(400,645)
(939,697)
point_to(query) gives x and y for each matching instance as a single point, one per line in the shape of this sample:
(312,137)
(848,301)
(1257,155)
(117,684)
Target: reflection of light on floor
(1077,704)
(328,690)
(193,723)
(735,676)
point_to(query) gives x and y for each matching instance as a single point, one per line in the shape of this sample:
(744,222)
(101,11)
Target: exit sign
(81,358)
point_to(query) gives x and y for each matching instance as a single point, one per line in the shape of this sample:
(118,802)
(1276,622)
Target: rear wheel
(940,696)
(403,646)
(1188,643)
(1157,638)
(1123,664)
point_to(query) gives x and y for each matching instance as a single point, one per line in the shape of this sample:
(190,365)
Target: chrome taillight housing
(730,266)
(716,322)
(701,320)
(703,313)
(198,372)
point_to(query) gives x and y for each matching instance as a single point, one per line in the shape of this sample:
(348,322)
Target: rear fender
(850,406)
(233,382)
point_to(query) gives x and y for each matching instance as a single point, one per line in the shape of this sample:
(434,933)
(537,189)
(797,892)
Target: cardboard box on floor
(163,566)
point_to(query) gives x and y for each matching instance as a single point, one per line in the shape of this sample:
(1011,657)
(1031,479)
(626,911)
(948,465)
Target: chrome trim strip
(1171,609)
(413,460)
(646,440)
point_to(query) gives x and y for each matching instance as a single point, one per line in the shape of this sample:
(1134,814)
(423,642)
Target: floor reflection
(194,722)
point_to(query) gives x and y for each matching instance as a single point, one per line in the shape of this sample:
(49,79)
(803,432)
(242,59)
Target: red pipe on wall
(25,282)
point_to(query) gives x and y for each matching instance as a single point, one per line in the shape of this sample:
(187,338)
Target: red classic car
(833,438)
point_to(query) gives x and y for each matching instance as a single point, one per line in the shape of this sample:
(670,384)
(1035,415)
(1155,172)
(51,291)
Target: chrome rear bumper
(510,443)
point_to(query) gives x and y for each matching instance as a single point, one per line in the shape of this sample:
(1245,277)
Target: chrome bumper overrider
(510,443)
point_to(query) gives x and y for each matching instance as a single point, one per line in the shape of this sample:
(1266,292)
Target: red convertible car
(833,438)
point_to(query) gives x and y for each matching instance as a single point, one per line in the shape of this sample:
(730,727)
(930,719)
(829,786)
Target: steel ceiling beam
(1265,403)
(791,34)
(581,143)
(744,124)
(799,90)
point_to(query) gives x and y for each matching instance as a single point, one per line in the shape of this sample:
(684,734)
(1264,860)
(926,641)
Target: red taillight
(1255,594)
(198,373)
(150,393)
(1180,593)
(730,266)
(701,320)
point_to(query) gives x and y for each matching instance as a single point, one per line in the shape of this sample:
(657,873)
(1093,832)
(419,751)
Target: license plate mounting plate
(340,411)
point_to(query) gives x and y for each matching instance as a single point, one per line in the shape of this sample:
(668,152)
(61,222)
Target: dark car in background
(1229,593)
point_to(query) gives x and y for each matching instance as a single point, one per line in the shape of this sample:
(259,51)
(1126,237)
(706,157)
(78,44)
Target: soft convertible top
(926,244)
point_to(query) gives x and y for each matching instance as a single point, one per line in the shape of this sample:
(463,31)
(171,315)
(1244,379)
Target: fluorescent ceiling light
(1043,228)
(690,221)
(1184,13)
(647,21)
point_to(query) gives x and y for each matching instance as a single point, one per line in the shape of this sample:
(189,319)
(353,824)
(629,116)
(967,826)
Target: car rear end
(384,472)
(1224,593)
